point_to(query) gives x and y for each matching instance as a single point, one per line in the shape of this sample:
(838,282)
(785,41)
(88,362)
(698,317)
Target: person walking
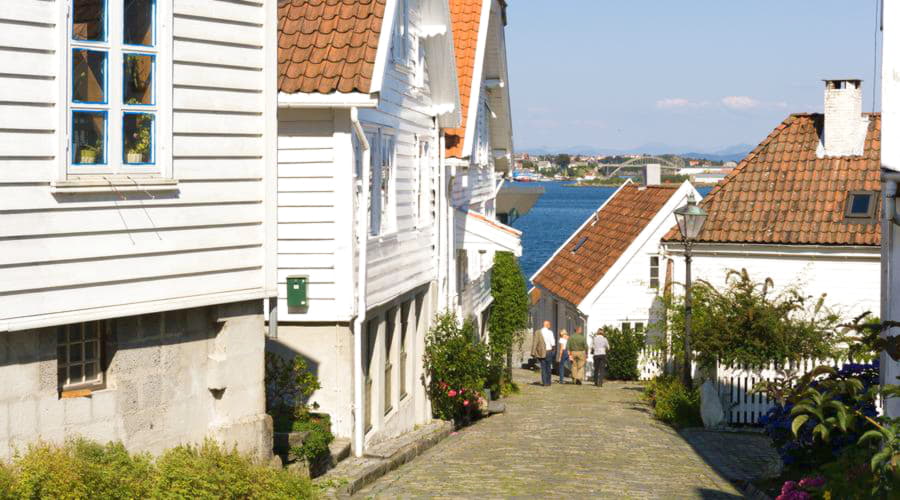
(547,361)
(562,355)
(577,346)
(601,348)
(539,351)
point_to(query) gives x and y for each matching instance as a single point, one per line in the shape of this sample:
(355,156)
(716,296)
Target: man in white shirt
(546,362)
(601,347)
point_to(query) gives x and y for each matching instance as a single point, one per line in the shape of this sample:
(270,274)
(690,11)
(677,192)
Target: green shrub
(6,482)
(289,385)
(624,349)
(508,319)
(209,471)
(82,469)
(673,403)
(457,368)
(316,443)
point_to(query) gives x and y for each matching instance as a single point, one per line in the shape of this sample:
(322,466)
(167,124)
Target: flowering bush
(457,368)
(803,490)
(801,447)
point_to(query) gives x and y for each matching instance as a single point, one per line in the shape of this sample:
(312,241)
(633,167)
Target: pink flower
(788,487)
(452,393)
(812,482)
(466,402)
(462,391)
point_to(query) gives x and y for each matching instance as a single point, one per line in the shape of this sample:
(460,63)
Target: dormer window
(860,205)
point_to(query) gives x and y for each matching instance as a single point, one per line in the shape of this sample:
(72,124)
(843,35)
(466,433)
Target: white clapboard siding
(71,254)
(399,262)
(307,215)
(224,10)
(28,89)
(30,11)
(170,288)
(70,247)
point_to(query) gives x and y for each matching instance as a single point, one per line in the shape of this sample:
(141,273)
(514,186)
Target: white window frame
(656,268)
(382,208)
(161,141)
(64,365)
(405,48)
(422,185)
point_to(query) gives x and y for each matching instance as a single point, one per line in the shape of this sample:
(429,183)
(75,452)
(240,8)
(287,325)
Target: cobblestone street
(573,442)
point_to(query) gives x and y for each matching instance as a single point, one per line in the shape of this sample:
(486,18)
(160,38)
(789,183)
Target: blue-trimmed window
(113,93)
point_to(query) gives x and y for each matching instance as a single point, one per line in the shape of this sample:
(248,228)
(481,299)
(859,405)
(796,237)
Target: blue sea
(556,215)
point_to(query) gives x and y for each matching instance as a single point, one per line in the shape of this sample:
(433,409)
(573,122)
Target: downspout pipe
(362,232)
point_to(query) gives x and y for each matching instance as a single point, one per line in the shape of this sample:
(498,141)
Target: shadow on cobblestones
(570,441)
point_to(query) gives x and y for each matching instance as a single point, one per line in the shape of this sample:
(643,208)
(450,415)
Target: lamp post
(690,219)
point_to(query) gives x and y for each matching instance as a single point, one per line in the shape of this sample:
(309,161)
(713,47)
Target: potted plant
(88,153)
(138,150)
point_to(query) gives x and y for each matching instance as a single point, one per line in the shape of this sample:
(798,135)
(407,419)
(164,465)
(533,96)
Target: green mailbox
(297,291)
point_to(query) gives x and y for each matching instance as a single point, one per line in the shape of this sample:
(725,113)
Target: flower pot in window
(87,156)
(134,157)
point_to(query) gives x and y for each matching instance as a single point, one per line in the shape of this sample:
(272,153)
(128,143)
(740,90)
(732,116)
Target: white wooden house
(608,272)
(890,165)
(479,155)
(802,209)
(137,161)
(366,89)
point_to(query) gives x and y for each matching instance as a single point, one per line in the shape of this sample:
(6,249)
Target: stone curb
(368,473)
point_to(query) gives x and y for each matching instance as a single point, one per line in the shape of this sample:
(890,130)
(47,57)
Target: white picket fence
(735,383)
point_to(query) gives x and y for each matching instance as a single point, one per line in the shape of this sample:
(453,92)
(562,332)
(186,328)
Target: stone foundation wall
(171,378)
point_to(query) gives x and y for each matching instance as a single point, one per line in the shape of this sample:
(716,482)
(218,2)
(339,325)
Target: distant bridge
(611,170)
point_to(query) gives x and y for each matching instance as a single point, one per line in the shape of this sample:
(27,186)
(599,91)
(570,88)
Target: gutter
(335,100)
(362,230)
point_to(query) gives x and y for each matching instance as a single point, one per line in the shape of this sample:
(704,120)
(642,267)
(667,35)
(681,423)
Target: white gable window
(405,47)
(382,201)
(114,87)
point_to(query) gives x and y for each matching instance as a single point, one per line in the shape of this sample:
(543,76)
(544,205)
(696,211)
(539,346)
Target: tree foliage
(509,314)
(748,323)
(624,349)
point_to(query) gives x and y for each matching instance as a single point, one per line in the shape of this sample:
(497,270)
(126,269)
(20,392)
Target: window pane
(860,204)
(138,74)
(75,374)
(139,22)
(90,351)
(89,20)
(88,137)
(138,136)
(88,76)
(90,371)
(75,353)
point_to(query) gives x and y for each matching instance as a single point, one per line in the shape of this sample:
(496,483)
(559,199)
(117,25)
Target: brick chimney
(651,174)
(845,126)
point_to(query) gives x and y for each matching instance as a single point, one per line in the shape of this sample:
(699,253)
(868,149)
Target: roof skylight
(578,245)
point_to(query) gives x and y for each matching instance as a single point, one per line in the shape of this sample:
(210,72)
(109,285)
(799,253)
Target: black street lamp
(690,219)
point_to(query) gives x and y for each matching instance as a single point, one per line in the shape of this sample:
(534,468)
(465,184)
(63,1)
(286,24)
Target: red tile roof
(572,275)
(782,193)
(327,46)
(466,19)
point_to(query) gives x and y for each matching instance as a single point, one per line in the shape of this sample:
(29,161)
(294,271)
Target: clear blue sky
(693,74)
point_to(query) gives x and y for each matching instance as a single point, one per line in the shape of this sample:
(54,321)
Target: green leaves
(746,322)
(798,423)
(509,312)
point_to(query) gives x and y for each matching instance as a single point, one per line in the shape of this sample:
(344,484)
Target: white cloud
(673,102)
(740,102)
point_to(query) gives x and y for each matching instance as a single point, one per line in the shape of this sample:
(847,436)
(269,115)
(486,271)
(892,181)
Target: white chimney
(845,126)
(651,174)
